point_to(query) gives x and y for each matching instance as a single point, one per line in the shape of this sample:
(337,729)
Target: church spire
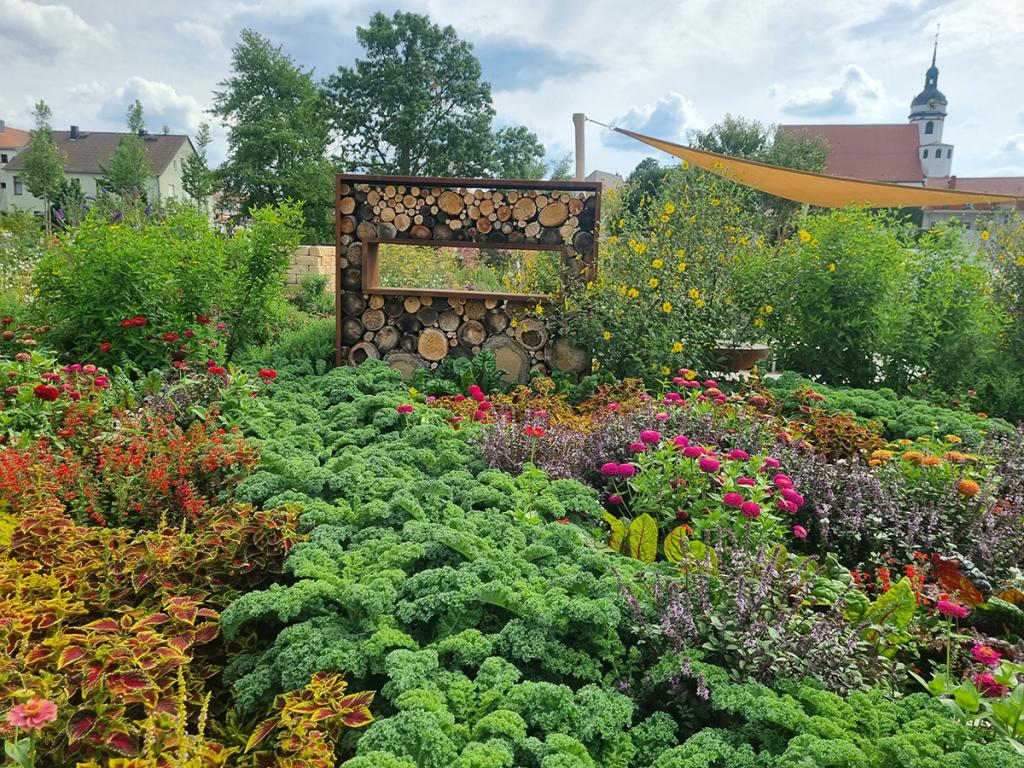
(935,49)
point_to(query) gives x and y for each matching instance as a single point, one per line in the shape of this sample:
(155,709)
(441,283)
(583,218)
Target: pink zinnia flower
(745,481)
(650,436)
(789,494)
(733,499)
(949,608)
(613,406)
(405,408)
(89,368)
(484,405)
(23,357)
(988,685)
(985,655)
(101,381)
(751,509)
(626,470)
(674,397)
(758,402)
(479,415)
(73,395)
(46,393)
(661,416)
(786,506)
(540,414)
(693,451)
(737,455)
(609,469)
(710,383)
(189,333)
(637,447)
(478,396)
(782,481)
(680,442)
(459,398)
(615,499)
(34,713)
(773,463)
(799,531)
(709,465)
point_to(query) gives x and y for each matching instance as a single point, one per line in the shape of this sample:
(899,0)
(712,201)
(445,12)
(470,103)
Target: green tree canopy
(196,177)
(44,164)
(278,133)
(129,170)
(416,105)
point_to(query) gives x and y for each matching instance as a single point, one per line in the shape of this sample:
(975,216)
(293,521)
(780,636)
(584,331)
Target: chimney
(142,132)
(74,133)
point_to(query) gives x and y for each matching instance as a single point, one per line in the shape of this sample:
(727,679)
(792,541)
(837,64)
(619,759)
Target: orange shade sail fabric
(816,188)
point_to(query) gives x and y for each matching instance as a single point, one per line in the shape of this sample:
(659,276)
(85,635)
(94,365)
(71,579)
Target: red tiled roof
(998,185)
(886,152)
(13,138)
(86,153)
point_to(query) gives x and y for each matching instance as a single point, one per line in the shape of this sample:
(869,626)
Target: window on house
(170,190)
(19,188)
(938,154)
(3,185)
(925,155)
(3,157)
(949,153)
(929,127)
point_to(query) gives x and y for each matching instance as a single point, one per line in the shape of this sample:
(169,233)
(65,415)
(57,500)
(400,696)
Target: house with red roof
(87,152)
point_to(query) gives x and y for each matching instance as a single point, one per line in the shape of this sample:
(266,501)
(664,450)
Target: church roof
(885,152)
(931,84)
(997,185)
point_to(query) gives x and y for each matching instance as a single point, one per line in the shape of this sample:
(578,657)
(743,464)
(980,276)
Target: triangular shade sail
(815,188)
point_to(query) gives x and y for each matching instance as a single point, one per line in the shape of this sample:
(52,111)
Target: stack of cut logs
(416,331)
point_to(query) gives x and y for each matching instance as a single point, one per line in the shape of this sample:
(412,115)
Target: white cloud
(203,34)
(48,30)
(857,94)
(669,118)
(1013,144)
(162,104)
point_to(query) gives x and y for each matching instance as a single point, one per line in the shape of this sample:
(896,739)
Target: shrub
(829,285)
(166,268)
(664,291)
(311,296)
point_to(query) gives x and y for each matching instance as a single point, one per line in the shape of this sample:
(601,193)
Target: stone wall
(311,259)
(417,328)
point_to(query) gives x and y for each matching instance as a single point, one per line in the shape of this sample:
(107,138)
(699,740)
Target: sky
(661,67)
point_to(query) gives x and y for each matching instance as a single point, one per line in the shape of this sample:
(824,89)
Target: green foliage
(43,173)
(830,285)
(256,265)
(902,417)
(169,268)
(454,376)
(130,170)
(665,289)
(166,268)
(197,179)
(942,325)
(305,346)
(312,295)
(276,121)
(416,106)
(21,247)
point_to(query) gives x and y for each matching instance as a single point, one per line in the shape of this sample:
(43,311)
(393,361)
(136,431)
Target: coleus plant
(309,721)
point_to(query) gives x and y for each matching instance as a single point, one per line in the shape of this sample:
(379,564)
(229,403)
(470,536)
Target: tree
(750,139)
(129,169)
(44,164)
(278,132)
(196,177)
(417,105)
(517,154)
(136,118)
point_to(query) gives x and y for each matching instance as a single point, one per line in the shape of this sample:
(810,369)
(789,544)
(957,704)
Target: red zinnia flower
(46,392)
(404,408)
(985,655)
(170,337)
(105,346)
(203,319)
(216,370)
(268,373)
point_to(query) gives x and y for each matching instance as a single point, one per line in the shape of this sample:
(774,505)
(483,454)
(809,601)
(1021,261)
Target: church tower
(928,113)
